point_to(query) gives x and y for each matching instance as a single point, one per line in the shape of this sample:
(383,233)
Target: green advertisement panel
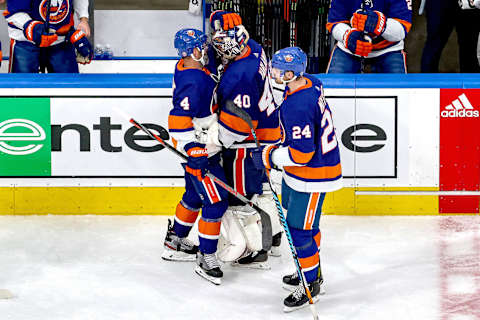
(25,142)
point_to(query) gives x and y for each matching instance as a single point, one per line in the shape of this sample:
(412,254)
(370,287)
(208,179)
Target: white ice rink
(109,267)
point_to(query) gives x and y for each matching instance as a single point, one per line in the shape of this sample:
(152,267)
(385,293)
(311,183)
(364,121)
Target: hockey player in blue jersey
(370,32)
(310,159)
(245,81)
(192,124)
(33,46)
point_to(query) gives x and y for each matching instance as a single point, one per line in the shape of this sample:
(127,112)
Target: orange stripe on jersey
(381,45)
(299,156)
(330,25)
(305,86)
(182,214)
(309,262)
(175,143)
(64,29)
(6,13)
(311,210)
(246,54)
(209,228)
(236,123)
(315,173)
(406,24)
(267,134)
(179,122)
(318,238)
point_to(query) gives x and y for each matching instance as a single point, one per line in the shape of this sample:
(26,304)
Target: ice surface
(109,267)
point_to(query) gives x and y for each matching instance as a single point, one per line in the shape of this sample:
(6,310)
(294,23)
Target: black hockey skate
(209,268)
(276,242)
(254,260)
(292,281)
(298,298)
(178,249)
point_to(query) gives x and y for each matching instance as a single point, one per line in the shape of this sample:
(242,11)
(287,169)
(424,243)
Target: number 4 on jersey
(185,104)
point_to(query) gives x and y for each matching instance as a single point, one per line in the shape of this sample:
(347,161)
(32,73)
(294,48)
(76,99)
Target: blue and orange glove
(357,43)
(35,31)
(262,157)
(84,49)
(197,161)
(223,20)
(371,22)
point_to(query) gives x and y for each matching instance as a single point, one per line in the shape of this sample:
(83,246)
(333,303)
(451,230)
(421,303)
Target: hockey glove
(83,46)
(372,22)
(223,20)
(34,31)
(197,161)
(355,41)
(262,157)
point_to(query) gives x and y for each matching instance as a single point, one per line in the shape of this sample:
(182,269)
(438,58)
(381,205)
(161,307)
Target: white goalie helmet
(230,43)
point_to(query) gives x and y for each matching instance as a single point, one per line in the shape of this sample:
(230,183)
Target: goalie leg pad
(253,232)
(265,201)
(232,244)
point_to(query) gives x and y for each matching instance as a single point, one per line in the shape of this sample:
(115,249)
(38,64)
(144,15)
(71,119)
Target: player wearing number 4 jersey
(192,123)
(310,158)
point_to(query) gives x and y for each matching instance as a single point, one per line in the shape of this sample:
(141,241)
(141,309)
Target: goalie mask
(230,43)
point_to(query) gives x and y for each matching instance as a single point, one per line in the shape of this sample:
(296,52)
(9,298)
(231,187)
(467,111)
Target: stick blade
(239,112)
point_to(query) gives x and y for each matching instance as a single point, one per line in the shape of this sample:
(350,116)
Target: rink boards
(409,144)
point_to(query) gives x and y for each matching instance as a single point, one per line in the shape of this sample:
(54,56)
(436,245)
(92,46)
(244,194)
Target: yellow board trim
(163,200)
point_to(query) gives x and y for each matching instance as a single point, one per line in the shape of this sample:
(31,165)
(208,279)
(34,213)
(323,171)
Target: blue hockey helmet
(289,59)
(188,39)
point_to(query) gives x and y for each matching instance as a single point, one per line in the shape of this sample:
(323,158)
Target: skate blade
(5,294)
(201,273)
(274,253)
(253,265)
(291,309)
(291,288)
(172,255)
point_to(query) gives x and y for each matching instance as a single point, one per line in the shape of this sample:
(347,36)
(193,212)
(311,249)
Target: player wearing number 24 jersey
(310,159)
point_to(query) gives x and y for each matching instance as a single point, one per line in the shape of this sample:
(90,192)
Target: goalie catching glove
(197,161)
(84,49)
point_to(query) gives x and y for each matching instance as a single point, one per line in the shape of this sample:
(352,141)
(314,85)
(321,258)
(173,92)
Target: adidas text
(460,114)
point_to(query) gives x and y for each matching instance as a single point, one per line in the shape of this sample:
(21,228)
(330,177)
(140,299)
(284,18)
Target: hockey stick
(43,55)
(266,222)
(242,114)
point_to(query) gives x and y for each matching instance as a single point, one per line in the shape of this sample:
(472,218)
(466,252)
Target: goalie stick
(242,114)
(265,218)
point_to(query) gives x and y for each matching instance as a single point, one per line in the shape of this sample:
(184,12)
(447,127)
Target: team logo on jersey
(191,33)
(59,10)
(460,108)
(288,58)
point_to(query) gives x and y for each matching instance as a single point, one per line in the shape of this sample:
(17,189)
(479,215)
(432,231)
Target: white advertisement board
(388,137)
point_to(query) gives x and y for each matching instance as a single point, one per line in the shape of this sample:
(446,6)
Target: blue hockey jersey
(194,104)
(313,163)
(19,12)
(341,11)
(246,83)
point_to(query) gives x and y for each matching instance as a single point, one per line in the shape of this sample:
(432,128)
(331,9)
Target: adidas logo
(460,108)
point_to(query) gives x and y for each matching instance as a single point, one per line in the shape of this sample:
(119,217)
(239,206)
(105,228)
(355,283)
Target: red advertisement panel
(459,149)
